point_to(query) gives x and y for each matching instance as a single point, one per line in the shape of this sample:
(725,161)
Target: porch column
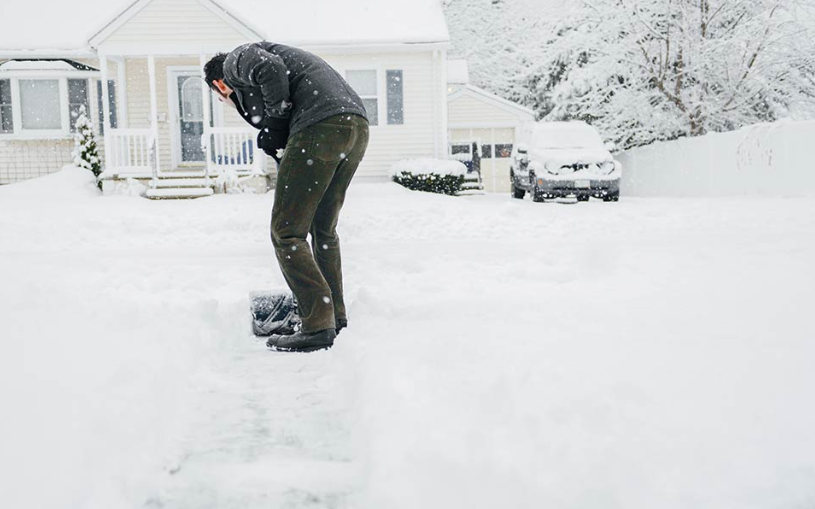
(121,93)
(206,137)
(109,156)
(151,71)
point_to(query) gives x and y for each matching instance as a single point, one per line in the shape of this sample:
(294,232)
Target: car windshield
(566,136)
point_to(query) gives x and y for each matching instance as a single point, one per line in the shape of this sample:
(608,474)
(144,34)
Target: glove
(273,136)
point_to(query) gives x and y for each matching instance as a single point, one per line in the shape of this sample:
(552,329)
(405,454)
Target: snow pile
(512,355)
(229,182)
(428,166)
(69,183)
(127,187)
(765,159)
(501,353)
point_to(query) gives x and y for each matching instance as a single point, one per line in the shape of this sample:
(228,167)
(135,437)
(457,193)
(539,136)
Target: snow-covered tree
(503,41)
(86,154)
(646,70)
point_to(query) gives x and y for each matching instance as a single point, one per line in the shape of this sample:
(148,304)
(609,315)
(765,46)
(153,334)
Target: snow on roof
(54,25)
(42,65)
(318,22)
(42,25)
(458,72)
(570,134)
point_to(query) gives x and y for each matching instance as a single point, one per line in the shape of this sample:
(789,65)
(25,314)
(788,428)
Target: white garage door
(494,146)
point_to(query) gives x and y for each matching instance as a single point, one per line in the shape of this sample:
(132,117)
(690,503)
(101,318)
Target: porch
(169,130)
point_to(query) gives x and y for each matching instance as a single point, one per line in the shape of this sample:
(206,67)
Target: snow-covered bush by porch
(429,175)
(86,153)
(229,182)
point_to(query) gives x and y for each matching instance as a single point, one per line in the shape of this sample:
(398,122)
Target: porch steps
(181,182)
(472,185)
(178,193)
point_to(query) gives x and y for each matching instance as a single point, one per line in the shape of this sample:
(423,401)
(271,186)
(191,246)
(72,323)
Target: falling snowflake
(326,300)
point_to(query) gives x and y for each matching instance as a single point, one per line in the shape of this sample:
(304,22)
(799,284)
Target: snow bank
(70,182)
(427,166)
(765,159)
(501,353)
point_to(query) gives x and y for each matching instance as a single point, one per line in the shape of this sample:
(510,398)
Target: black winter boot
(341,324)
(302,341)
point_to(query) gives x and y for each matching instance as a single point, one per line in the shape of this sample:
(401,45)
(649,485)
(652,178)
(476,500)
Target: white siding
(175,21)
(468,109)
(422,129)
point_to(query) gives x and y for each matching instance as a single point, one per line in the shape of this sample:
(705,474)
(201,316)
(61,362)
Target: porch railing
(233,148)
(130,150)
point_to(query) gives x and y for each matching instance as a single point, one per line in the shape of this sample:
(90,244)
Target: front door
(188,119)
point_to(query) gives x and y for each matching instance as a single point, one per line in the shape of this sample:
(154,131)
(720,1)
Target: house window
(486,151)
(6,118)
(111,103)
(40,104)
(503,150)
(396,113)
(365,85)
(77,97)
(460,148)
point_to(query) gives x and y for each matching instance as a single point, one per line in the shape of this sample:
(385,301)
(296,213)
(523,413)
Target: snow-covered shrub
(429,175)
(228,182)
(86,153)
(129,187)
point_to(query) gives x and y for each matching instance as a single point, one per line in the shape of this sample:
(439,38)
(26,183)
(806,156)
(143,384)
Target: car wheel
(582,197)
(612,197)
(517,193)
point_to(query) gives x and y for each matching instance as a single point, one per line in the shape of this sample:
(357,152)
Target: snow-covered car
(564,159)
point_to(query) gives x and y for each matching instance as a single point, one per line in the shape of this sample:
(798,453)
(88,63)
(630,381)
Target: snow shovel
(273,312)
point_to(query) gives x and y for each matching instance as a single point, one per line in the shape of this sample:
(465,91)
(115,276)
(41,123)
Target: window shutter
(6,118)
(396,113)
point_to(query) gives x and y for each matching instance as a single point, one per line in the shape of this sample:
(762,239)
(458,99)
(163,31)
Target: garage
(483,128)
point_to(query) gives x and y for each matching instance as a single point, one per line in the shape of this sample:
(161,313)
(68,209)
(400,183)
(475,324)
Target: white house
(137,68)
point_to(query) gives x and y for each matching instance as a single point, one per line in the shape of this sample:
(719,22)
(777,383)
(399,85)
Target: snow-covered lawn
(502,353)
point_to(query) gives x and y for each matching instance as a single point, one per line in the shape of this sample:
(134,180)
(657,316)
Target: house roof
(43,25)
(490,98)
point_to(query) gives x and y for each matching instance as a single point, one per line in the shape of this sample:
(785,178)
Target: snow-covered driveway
(501,353)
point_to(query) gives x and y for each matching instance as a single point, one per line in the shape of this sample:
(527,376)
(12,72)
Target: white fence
(233,148)
(228,148)
(766,159)
(130,150)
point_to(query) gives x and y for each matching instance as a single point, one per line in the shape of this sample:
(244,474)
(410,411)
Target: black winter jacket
(275,82)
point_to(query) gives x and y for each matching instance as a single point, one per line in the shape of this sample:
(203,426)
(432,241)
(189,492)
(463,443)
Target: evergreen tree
(86,154)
